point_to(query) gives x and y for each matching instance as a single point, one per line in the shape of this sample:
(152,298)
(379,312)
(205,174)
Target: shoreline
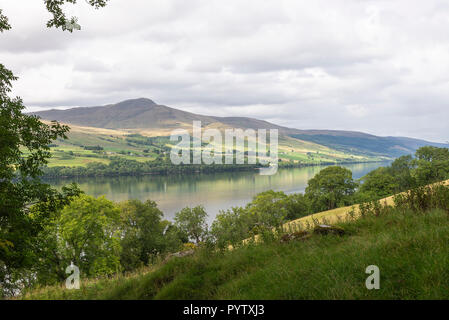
(197,170)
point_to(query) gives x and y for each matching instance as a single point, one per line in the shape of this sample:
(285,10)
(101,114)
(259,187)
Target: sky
(379,67)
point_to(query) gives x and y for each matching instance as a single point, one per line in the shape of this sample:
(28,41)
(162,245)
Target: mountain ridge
(143,115)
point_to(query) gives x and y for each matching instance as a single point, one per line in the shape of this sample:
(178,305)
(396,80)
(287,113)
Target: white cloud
(374,66)
(355,110)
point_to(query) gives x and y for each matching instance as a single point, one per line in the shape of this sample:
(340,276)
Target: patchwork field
(88,144)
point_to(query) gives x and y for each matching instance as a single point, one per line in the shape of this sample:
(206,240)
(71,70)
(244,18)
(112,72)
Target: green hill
(409,247)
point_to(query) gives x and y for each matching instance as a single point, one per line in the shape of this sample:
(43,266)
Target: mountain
(145,115)
(148,118)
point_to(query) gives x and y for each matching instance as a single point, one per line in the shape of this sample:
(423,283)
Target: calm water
(214,191)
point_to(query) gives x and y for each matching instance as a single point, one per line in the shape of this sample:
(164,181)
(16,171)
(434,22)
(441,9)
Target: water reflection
(214,191)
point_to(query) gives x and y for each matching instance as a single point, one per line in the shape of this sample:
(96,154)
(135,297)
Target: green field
(72,151)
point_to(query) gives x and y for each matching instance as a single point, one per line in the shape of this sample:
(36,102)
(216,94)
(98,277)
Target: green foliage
(389,180)
(60,20)
(429,165)
(297,206)
(268,208)
(330,188)
(101,238)
(87,233)
(192,222)
(266,211)
(432,165)
(377,184)
(424,199)
(96,148)
(144,234)
(410,249)
(401,170)
(124,167)
(230,227)
(4,24)
(20,186)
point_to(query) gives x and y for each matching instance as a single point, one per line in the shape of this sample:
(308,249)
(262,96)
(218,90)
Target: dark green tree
(192,222)
(377,184)
(269,208)
(432,165)
(330,188)
(144,234)
(230,227)
(401,169)
(86,232)
(297,206)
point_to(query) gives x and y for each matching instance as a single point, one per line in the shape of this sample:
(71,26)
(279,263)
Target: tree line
(125,167)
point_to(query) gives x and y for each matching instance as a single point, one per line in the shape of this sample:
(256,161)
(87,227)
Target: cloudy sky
(380,67)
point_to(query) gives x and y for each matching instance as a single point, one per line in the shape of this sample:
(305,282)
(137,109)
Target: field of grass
(116,143)
(410,250)
(309,152)
(72,152)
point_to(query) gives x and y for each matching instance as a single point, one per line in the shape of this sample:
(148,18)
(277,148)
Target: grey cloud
(373,66)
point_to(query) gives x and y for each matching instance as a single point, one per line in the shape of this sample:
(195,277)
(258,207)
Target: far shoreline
(199,170)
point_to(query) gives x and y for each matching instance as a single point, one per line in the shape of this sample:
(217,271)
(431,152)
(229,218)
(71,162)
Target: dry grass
(327,217)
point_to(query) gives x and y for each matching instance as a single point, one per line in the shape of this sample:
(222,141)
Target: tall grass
(410,249)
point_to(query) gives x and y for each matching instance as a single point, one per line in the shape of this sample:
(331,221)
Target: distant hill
(145,117)
(366,144)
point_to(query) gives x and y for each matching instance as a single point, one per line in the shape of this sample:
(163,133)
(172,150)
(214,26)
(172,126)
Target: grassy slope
(114,141)
(335,215)
(410,249)
(359,143)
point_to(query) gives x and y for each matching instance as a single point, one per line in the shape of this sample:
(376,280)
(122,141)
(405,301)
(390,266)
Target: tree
(24,150)
(60,20)
(432,165)
(269,208)
(377,184)
(330,188)
(192,222)
(144,234)
(297,206)
(85,232)
(401,169)
(232,226)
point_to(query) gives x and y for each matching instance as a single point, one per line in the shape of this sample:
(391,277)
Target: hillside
(365,144)
(145,117)
(133,146)
(409,247)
